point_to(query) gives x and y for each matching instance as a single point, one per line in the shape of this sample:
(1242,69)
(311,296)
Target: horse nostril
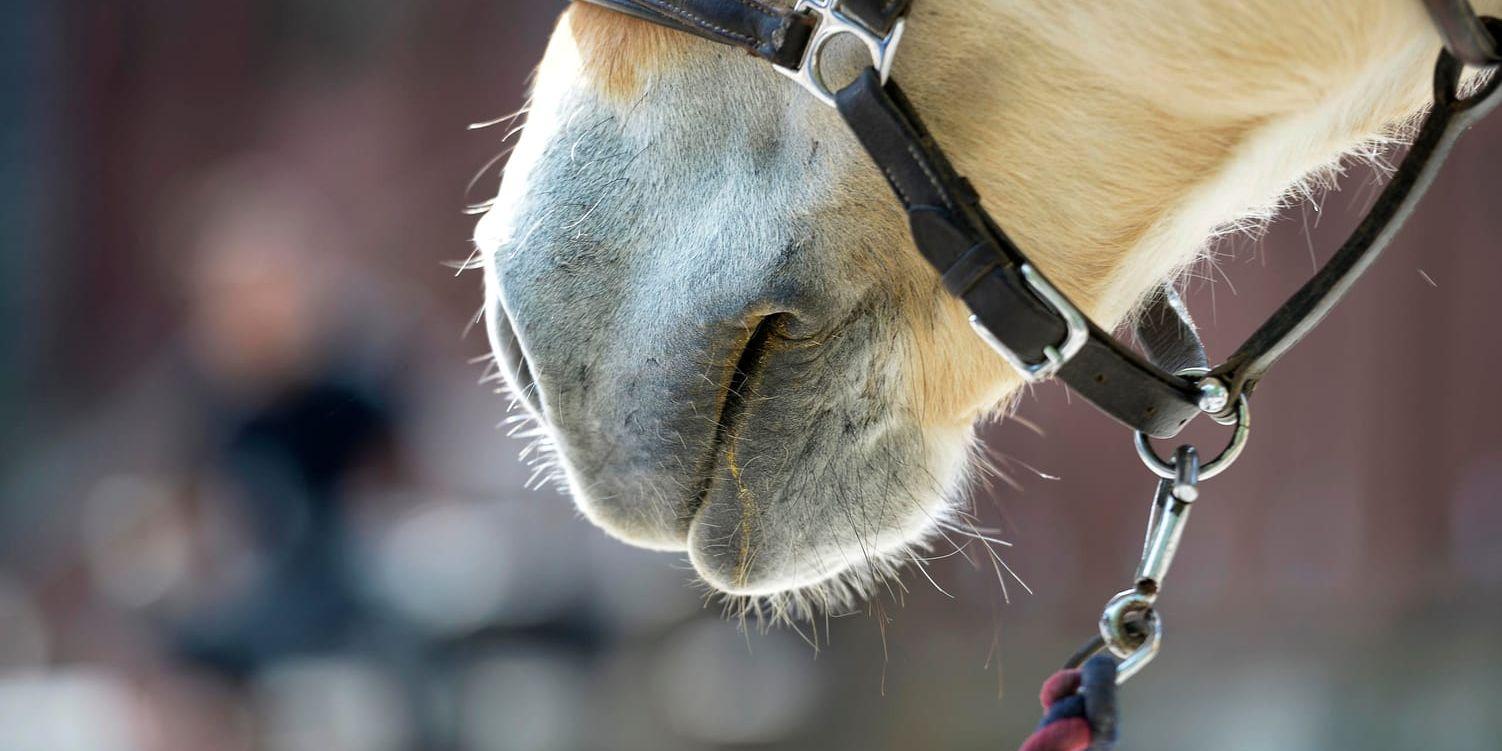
(754,354)
(801,322)
(744,374)
(796,328)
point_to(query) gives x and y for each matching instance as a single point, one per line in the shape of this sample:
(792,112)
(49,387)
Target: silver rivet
(1214,396)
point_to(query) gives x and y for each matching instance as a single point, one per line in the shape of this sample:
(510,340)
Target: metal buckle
(833,23)
(1055,357)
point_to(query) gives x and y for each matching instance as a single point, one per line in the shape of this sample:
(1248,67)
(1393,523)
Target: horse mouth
(744,377)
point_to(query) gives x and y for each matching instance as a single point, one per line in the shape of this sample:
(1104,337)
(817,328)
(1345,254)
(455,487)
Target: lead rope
(1079,701)
(1079,707)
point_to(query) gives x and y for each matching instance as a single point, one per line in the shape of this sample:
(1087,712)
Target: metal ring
(833,22)
(1219,464)
(1113,620)
(1134,664)
(1133,654)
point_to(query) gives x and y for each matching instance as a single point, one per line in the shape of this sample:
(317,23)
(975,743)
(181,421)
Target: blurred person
(290,418)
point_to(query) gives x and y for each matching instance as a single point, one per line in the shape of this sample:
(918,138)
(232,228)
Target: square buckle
(1055,357)
(831,23)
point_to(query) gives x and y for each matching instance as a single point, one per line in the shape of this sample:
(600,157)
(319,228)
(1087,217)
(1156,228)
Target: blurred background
(253,494)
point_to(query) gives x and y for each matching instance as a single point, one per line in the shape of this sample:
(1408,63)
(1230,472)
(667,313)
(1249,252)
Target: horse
(700,292)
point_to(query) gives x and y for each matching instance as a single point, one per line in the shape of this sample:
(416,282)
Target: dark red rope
(1079,709)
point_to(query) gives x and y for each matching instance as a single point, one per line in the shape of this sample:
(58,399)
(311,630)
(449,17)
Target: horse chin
(812,502)
(779,532)
(834,521)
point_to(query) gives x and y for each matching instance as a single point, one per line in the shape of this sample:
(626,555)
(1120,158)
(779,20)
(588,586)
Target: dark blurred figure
(290,421)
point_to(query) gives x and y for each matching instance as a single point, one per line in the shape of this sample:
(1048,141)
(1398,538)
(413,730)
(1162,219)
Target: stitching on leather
(700,21)
(896,185)
(933,180)
(678,10)
(760,7)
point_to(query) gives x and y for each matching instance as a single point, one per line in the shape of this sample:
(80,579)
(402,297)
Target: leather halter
(1016,310)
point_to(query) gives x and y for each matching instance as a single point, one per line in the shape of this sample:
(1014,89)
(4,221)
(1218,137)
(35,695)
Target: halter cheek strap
(880,16)
(1015,308)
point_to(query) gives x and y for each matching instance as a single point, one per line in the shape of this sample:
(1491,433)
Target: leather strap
(981,265)
(1291,322)
(877,15)
(774,34)
(1168,335)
